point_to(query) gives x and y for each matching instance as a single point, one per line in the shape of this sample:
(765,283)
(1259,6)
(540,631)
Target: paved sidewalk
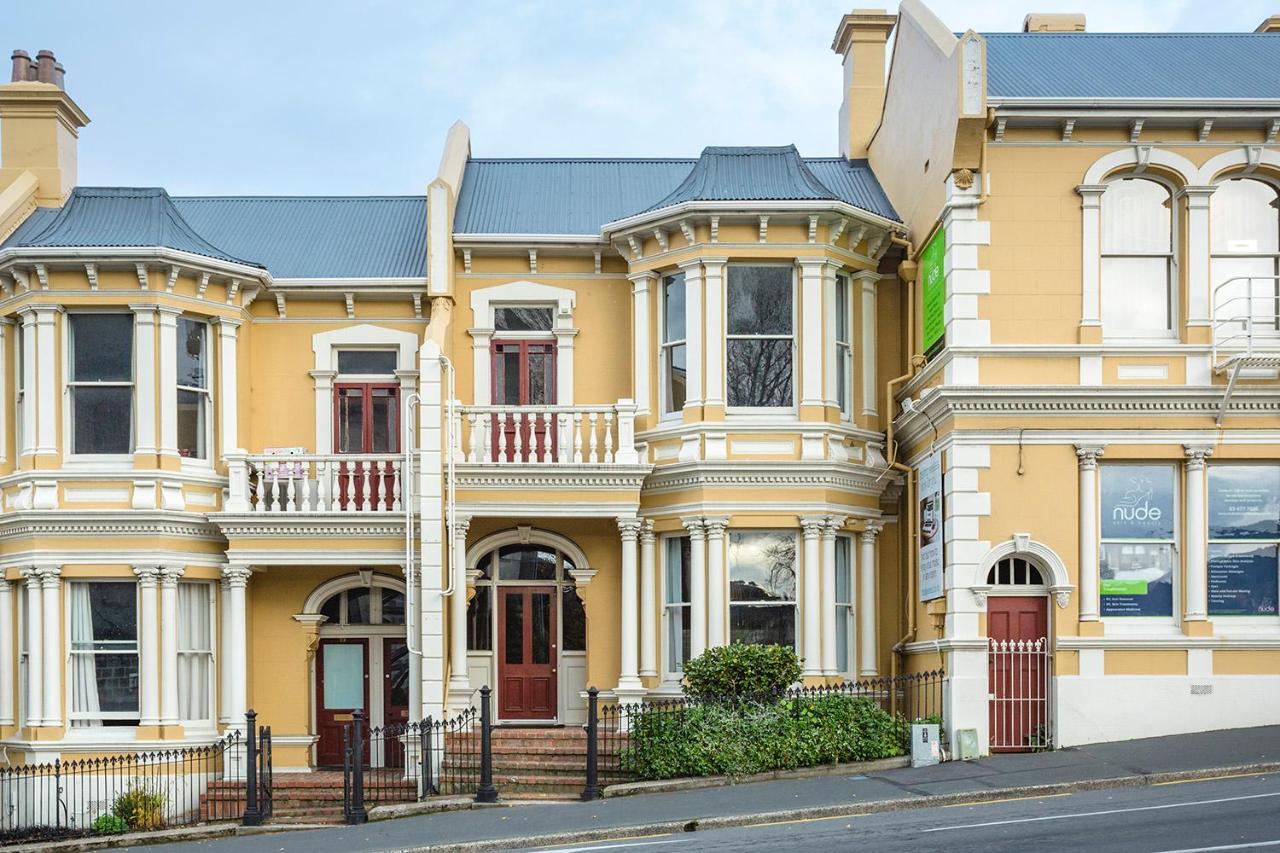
(1119,763)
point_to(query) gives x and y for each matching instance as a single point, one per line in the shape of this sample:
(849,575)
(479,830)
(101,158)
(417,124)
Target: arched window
(522,565)
(364,606)
(1014,571)
(1245,244)
(1137,258)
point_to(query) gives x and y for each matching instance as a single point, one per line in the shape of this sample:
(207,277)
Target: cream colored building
(566,423)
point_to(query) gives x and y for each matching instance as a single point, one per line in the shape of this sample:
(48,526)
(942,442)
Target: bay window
(1137,258)
(1244,540)
(103,622)
(676,617)
(1244,216)
(843,595)
(195,403)
(195,652)
(673,357)
(762,587)
(843,345)
(760,338)
(100,383)
(1138,532)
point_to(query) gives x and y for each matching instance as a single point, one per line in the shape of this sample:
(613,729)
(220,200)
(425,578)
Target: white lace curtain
(84,674)
(195,651)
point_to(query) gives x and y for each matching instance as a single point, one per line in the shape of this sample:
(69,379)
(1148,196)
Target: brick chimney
(1053,22)
(39,125)
(861,40)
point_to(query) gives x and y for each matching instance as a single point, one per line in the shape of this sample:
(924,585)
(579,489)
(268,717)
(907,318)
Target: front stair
(541,763)
(308,797)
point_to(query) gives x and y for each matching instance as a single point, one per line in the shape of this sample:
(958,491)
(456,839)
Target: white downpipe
(411,403)
(450,441)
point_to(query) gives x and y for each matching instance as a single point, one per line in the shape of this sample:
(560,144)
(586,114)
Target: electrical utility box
(926,749)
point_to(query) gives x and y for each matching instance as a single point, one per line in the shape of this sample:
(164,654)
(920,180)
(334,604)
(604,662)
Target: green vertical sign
(933,285)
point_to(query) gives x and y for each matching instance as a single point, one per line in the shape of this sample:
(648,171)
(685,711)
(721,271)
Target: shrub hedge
(723,673)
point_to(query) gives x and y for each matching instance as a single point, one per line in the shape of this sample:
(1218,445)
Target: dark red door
(1018,672)
(366,420)
(395,698)
(342,688)
(527,652)
(524,374)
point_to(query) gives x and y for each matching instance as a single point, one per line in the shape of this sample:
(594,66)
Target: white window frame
(843,365)
(1146,624)
(205,461)
(850,643)
(101,716)
(19,389)
(793,407)
(665,347)
(794,603)
(671,610)
(69,386)
(361,377)
(1274,257)
(325,347)
(211,654)
(1173,264)
(521,294)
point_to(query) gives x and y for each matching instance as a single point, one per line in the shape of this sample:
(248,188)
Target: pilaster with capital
(629,674)
(169,576)
(235,580)
(1088,455)
(1197,539)
(811,596)
(697,585)
(35,646)
(7,657)
(459,690)
(51,587)
(868,653)
(148,650)
(717,582)
(648,601)
(830,529)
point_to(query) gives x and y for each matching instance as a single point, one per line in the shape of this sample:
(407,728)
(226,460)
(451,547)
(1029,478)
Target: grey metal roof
(120,217)
(318,237)
(578,196)
(1200,66)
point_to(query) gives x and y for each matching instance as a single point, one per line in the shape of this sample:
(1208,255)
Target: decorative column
(7,656)
(713,375)
(697,586)
(829,531)
(169,644)
(811,598)
(648,602)
(867,347)
(324,408)
(51,585)
(629,676)
(144,380)
(29,391)
(1197,539)
(1199,286)
(644,354)
(148,653)
(168,365)
(35,646)
(228,421)
(717,583)
(1088,454)
(47,382)
(812,332)
(459,680)
(1091,261)
(866,602)
(234,643)
(695,334)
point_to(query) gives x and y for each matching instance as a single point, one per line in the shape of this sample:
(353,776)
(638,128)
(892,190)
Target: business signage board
(933,287)
(930,526)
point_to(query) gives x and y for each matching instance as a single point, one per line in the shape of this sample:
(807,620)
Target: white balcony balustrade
(315,483)
(546,435)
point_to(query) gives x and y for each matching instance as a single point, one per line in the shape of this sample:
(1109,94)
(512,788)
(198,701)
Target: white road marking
(614,846)
(1251,846)
(1098,813)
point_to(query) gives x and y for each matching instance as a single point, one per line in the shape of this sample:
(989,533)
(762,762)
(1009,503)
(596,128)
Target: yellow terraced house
(993,389)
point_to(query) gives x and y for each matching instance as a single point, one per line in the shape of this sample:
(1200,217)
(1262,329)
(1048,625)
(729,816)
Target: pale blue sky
(326,96)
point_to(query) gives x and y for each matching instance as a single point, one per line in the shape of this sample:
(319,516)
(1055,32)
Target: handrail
(1242,341)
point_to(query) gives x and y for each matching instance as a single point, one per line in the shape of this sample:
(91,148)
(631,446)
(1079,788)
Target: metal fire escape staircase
(1246,329)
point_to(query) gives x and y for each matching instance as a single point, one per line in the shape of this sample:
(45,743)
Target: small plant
(140,809)
(109,824)
(741,671)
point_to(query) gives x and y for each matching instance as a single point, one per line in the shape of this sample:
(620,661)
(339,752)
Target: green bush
(109,824)
(139,808)
(723,673)
(754,737)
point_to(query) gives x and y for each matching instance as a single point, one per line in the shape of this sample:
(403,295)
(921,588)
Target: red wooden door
(366,419)
(1018,672)
(395,698)
(527,652)
(342,687)
(524,374)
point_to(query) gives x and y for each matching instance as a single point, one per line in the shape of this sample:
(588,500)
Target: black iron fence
(654,739)
(258,772)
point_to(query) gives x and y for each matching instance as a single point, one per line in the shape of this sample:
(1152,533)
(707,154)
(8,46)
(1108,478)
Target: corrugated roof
(318,237)
(121,217)
(1207,66)
(578,196)
(748,174)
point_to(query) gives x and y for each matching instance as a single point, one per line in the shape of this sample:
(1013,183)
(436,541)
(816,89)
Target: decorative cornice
(28,523)
(506,477)
(296,525)
(857,479)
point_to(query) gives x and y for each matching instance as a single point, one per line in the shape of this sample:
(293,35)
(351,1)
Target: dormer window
(760,337)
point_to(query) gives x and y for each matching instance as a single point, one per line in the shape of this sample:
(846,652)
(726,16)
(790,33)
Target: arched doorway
(1019,667)
(527,628)
(362,660)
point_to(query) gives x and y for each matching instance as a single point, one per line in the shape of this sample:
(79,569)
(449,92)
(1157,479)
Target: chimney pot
(20,63)
(33,71)
(59,76)
(45,61)
(1270,25)
(1053,22)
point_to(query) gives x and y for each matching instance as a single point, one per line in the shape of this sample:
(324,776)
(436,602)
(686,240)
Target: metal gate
(1019,674)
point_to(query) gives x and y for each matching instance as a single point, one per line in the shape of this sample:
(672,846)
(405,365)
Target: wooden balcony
(346,483)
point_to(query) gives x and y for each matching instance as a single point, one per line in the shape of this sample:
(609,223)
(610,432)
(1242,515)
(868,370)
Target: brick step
(509,788)
(545,796)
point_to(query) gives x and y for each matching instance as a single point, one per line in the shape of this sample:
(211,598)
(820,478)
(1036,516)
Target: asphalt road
(1238,813)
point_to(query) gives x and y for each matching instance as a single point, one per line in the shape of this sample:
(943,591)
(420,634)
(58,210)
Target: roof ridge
(1122,34)
(299,197)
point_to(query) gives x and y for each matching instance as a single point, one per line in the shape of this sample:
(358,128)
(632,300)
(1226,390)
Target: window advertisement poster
(1244,507)
(933,286)
(1137,560)
(929,519)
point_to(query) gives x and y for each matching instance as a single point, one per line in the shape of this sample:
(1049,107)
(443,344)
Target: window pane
(1135,294)
(677,568)
(1244,502)
(540,626)
(358,607)
(762,566)
(350,420)
(1136,579)
(195,647)
(115,682)
(526,563)
(1242,580)
(1244,217)
(843,627)
(392,607)
(843,362)
(193,364)
(385,426)
(507,384)
(760,373)
(759,300)
(513,629)
(331,609)
(842,308)
(367,362)
(398,672)
(102,347)
(1136,217)
(103,419)
(574,619)
(775,624)
(673,328)
(1239,297)
(113,609)
(539,377)
(522,319)
(480,620)
(191,425)
(678,632)
(343,676)
(677,373)
(844,571)
(1137,501)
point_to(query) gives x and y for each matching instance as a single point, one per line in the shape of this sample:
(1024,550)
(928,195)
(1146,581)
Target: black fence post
(486,793)
(252,809)
(592,790)
(424,754)
(358,812)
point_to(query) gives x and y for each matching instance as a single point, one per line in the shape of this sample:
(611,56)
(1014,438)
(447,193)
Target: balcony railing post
(626,453)
(486,793)
(592,790)
(237,482)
